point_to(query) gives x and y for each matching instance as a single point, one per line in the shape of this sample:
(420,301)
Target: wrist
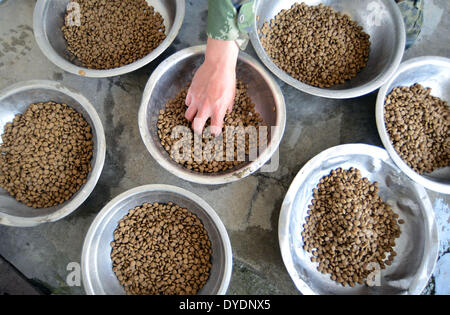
(221,52)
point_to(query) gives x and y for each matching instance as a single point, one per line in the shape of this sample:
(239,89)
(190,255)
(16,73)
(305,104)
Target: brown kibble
(113,33)
(315,44)
(41,172)
(418,126)
(208,160)
(147,261)
(348,227)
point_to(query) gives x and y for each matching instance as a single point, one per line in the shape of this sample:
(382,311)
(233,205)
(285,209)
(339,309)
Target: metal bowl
(381,19)
(48,19)
(418,245)
(173,74)
(15,100)
(96,263)
(431,72)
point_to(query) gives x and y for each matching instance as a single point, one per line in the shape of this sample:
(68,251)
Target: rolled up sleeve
(230,20)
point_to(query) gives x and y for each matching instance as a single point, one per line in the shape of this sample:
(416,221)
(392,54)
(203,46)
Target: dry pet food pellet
(315,44)
(113,33)
(242,115)
(161,249)
(349,227)
(46,154)
(418,126)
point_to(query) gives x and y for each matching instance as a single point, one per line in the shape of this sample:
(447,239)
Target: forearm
(221,53)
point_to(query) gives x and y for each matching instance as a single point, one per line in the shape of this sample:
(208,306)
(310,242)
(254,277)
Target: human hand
(213,87)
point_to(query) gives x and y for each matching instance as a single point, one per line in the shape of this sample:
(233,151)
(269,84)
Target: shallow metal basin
(417,247)
(96,263)
(431,72)
(48,19)
(15,100)
(381,19)
(173,74)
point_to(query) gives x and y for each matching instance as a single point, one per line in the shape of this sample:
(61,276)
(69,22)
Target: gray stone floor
(249,208)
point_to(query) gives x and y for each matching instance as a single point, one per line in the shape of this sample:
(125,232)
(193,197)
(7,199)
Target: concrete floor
(249,208)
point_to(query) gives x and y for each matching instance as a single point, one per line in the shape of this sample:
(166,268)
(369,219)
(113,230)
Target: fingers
(216,127)
(191,112)
(199,115)
(217,121)
(230,105)
(204,112)
(188,98)
(198,124)
(200,110)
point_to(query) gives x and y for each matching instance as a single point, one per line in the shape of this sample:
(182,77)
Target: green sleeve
(230,20)
(412,11)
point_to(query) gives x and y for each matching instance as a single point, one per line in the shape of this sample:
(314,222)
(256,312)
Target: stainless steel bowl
(96,264)
(432,72)
(381,19)
(15,100)
(418,245)
(48,19)
(173,74)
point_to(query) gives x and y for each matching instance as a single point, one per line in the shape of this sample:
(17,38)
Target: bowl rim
(108,209)
(55,58)
(84,192)
(427,264)
(364,89)
(381,126)
(178,170)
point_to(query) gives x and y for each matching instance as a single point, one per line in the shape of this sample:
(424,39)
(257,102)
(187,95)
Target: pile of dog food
(418,126)
(205,158)
(46,154)
(113,33)
(349,227)
(161,249)
(315,44)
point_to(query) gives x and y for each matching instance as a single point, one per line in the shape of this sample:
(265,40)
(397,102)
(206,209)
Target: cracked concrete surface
(249,208)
